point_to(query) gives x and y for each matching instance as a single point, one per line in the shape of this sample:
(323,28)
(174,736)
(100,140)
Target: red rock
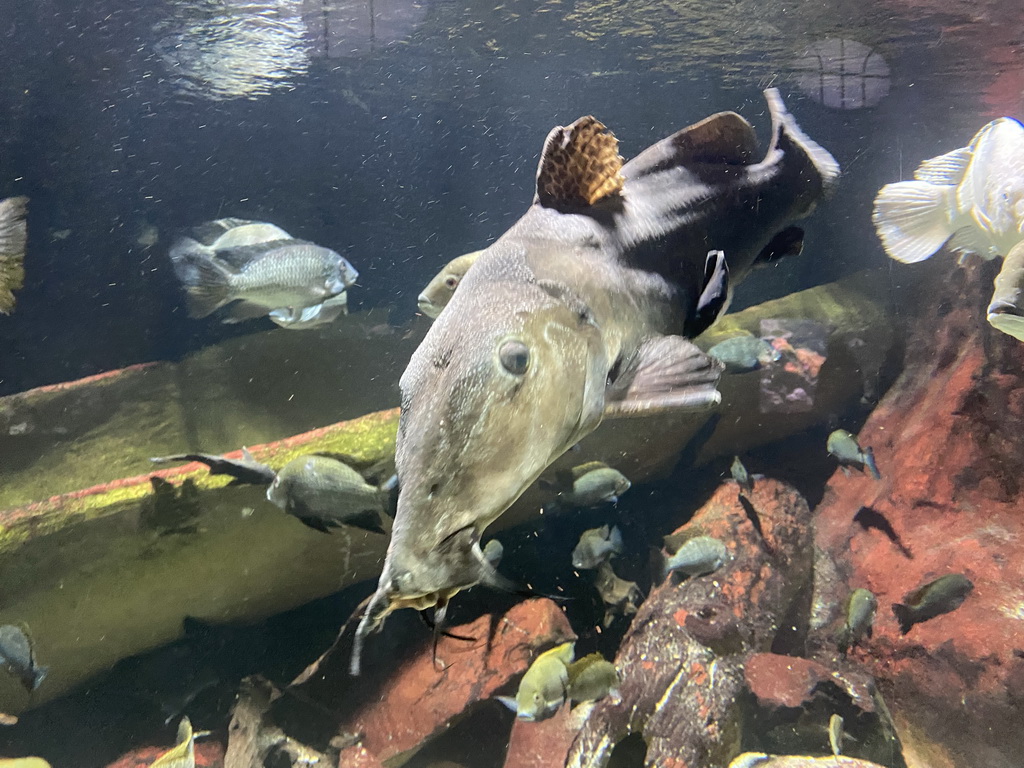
(420,700)
(543,744)
(947,438)
(356,756)
(783,681)
(209,754)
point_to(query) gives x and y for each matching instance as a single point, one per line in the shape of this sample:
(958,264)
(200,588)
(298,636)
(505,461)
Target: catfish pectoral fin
(667,373)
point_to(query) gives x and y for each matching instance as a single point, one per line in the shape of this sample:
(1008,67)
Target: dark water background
(405,145)
(400,149)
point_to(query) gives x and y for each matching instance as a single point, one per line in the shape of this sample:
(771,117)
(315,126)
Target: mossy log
(109,571)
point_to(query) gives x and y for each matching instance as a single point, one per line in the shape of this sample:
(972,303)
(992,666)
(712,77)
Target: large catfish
(581,311)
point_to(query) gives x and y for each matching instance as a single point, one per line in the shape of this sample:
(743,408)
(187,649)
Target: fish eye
(451,281)
(514,356)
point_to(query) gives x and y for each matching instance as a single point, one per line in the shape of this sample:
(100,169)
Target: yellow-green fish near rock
(860,615)
(973,199)
(592,678)
(441,288)
(583,310)
(13,237)
(543,689)
(847,451)
(945,594)
(183,754)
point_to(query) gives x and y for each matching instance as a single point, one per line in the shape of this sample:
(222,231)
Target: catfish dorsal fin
(722,138)
(579,166)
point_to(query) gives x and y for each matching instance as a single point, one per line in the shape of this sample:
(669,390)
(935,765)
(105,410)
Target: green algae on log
(103,573)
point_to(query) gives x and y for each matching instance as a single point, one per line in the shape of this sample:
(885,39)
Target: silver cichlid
(945,594)
(973,198)
(441,288)
(13,238)
(278,274)
(847,451)
(324,492)
(17,654)
(592,678)
(217,239)
(596,546)
(592,484)
(860,615)
(698,556)
(742,354)
(543,689)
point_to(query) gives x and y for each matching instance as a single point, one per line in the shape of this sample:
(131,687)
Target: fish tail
(869,462)
(904,615)
(13,237)
(185,253)
(788,138)
(914,219)
(212,288)
(615,541)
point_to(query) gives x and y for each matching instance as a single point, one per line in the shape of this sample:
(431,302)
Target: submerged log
(102,573)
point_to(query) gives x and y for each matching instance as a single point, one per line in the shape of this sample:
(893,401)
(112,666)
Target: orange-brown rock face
(420,700)
(948,440)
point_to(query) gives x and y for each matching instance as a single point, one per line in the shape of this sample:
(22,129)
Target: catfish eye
(451,282)
(515,356)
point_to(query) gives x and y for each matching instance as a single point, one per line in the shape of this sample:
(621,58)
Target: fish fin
(579,166)
(904,615)
(241,311)
(185,253)
(615,540)
(970,240)
(913,219)
(509,702)
(667,373)
(788,242)
(713,298)
(317,523)
(13,238)
(946,170)
(869,462)
(367,520)
(721,138)
(565,652)
(788,137)
(212,289)
(38,675)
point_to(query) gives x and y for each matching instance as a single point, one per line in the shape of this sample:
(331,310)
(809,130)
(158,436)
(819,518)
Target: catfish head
(511,376)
